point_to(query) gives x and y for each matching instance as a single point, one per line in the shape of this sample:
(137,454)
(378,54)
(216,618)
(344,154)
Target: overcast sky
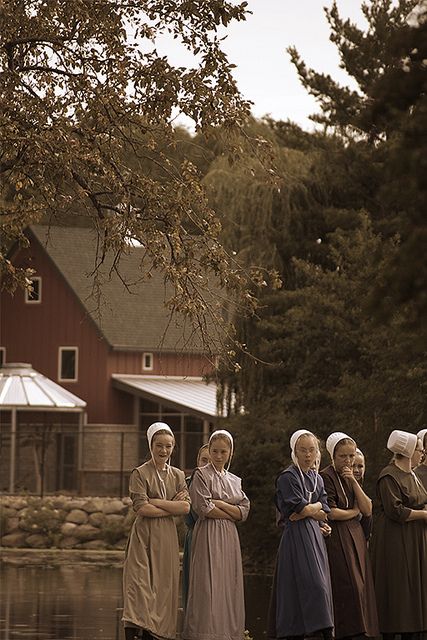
(258,47)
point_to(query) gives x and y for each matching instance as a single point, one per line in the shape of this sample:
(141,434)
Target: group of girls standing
(324,582)
(213,585)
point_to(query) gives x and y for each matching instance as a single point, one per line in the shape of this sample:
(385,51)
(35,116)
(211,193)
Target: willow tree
(88,103)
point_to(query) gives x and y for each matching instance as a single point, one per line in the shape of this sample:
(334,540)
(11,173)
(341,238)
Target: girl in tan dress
(151,568)
(215,608)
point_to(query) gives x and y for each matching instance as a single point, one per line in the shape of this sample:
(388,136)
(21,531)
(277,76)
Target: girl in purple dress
(301,602)
(215,608)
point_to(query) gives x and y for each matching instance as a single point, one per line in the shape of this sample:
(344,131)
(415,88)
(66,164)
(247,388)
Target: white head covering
(402,442)
(293,440)
(421,435)
(333,440)
(226,434)
(360,452)
(154,428)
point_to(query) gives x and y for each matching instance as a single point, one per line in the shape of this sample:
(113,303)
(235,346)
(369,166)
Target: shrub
(40,516)
(112,532)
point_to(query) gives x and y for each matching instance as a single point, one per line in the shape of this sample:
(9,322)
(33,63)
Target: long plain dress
(399,553)
(215,607)
(301,600)
(190,520)
(151,567)
(353,591)
(421,473)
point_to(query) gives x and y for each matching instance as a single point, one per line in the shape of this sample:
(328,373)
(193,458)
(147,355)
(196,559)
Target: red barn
(114,346)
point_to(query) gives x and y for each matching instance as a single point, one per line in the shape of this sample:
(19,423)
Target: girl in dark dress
(353,592)
(400,544)
(301,601)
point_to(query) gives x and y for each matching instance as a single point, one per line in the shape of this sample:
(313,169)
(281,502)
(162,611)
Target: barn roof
(134,318)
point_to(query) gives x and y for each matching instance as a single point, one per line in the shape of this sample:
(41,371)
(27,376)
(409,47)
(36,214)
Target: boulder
(94,544)
(12,525)
(17,539)
(97,519)
(60,502)
(114,518)
(114,506)
(68,542)
(86,532)
(9,511)
(68,528)
(78,516)
(91,506)
(38,541)
(74,503)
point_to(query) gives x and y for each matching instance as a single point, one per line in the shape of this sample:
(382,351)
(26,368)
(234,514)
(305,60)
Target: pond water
(85,603)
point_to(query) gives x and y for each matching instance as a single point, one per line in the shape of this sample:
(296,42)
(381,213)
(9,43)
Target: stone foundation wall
(65,522)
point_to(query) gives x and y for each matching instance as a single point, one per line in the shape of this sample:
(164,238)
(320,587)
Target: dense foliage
(88,103)
(342,345)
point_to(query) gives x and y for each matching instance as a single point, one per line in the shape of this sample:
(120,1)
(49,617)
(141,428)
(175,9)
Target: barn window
(68,364)
(147,361)
(34,294)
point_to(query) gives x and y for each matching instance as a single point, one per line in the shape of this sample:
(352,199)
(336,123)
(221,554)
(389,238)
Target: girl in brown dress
(151,568)
(400,544)
(353,592)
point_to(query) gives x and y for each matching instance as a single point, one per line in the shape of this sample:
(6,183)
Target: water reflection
(85,603)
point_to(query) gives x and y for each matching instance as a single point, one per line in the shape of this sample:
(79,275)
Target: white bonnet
(222,432)
(294,437)
(402,442)
(421,435)
(333,440)
(154,428)
(226,434)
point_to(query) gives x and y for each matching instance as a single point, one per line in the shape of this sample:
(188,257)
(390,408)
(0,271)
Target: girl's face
(306,451)
(417,455)
(219,451)
(344,456)
(161,449)
(359,467)
(203,458)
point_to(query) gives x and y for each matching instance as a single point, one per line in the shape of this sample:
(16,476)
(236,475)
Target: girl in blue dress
(301,602)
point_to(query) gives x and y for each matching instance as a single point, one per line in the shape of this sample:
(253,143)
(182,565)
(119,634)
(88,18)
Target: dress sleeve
(200,494)
(331,493)
(391,500)
(291,492)
(244,504)
(138,489)
(323,497)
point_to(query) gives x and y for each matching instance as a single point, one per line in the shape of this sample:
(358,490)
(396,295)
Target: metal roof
(21,387)
(190,395)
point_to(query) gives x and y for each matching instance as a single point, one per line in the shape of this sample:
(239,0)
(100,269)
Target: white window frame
(3,351)
(76,369)
(27,299)
(151,357)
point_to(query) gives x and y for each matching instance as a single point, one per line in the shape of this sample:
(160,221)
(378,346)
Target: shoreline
(61,557)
